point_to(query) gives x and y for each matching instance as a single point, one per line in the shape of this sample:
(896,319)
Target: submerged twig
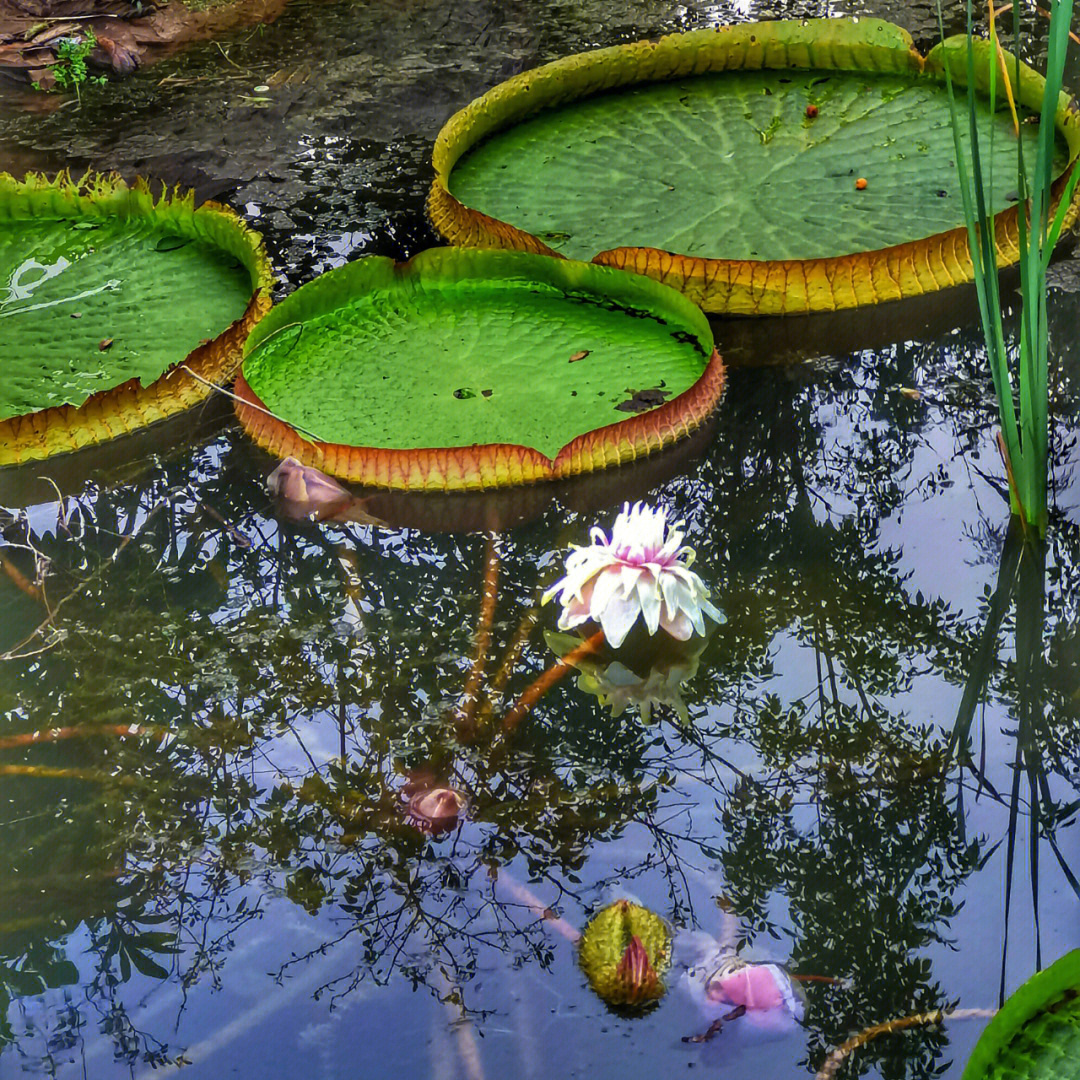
(837,1058)
(514,650)
(539,908)
(16,652)
(57,734)
(19,579)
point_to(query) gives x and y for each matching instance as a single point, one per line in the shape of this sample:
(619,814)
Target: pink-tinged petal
(603,589)
(577,611)
(303,492)
(754,986)
(641,566)
(616,620)
(599,537)
(679,627)
(636,972)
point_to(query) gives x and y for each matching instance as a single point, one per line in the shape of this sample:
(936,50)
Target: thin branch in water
(19,579)
(837,1058)
(18,652)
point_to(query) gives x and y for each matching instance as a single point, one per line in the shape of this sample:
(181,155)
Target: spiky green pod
(616,975)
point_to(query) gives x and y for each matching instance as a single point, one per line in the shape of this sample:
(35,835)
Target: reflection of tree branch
(17,652)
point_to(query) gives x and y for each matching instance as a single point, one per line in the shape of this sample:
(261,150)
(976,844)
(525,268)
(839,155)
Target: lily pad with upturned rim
(1036,1033)
(104,290)
(461,369)
(694,160)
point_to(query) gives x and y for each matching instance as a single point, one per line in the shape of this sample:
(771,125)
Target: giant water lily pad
(1036,1034)
(469,369)
(104,290)
(762,169)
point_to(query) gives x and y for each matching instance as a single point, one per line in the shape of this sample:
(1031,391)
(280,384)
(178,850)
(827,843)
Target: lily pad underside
(768,168)
(464,370)
(104,291)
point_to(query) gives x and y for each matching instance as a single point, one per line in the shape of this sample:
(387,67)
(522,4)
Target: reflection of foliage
(247,674)
(288,683)
(851,823)
(1043,738)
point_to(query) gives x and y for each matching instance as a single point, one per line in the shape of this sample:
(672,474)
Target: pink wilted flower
(644,568)
(303,492)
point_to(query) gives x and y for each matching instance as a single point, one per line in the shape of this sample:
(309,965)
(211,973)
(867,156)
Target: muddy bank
(112,38)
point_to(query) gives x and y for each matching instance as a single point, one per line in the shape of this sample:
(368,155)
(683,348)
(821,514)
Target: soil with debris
(127,33)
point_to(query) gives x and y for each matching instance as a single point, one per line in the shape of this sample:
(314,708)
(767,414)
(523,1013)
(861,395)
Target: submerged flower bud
(305,493)
(435,810)
(643,569)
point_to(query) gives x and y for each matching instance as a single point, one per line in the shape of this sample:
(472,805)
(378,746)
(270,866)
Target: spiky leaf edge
(1039,992)
(747,286)
(130,406)
(483,465)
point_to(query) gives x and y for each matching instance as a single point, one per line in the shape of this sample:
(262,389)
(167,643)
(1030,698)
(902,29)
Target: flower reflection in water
(644,674)
(434,810)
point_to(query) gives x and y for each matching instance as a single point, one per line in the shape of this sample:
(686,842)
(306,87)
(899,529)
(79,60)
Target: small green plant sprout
(70,70)
(1020,371)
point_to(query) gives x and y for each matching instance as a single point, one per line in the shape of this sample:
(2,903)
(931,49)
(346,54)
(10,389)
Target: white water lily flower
(643,569)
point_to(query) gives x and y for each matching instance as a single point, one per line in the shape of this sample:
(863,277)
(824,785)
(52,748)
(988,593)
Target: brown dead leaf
(106,344)
(579,356)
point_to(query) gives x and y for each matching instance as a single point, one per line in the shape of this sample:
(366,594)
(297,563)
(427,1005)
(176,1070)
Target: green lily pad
(1036,1034)
(765,168)
(152,295)
(728,166)
(490,357)
(104,287)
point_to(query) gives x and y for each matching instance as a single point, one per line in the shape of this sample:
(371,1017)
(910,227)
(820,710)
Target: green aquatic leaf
(65,290)
(765,168)
(729,166)
(105,288)
(458,348)
(1036,1034)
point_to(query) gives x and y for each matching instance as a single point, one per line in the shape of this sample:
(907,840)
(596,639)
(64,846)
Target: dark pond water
(234,885)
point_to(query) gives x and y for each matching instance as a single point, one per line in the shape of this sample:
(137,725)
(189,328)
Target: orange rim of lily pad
(540,331)
(98,224)
(530,106)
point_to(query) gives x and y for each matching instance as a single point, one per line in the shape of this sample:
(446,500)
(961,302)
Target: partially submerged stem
(471,695)
(514,650)
(59,734)
(19,579)
(525,896)
(1014,491)
(52,772)
(1021,384)
(543,683)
